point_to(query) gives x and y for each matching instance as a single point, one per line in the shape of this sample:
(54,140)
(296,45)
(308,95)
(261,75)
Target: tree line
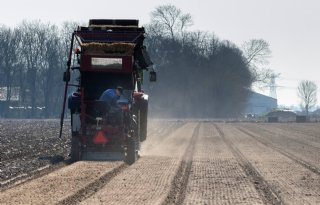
(199,75)
(33,57)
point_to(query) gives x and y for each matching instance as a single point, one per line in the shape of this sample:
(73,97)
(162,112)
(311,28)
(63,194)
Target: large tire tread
(132,154)
(75,149)
(143,120)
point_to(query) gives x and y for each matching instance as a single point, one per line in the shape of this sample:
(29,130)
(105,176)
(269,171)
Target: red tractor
(107,54)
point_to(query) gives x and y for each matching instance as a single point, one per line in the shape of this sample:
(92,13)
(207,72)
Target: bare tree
(171,19)
(9,40)
(257,53)
(2,51)
(32,50)
(307,91)
(49,78)
(65,33)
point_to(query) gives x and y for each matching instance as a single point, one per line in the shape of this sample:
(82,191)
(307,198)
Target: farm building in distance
(259,104)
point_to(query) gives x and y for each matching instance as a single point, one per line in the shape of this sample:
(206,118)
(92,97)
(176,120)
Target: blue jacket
(110,96)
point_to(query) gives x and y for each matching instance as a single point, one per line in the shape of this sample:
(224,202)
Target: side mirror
(153,76)
(66,76)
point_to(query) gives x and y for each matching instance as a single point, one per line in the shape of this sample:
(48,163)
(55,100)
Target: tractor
(106,54)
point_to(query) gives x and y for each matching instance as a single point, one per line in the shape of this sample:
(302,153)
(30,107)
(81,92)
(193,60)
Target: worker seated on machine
(111,96)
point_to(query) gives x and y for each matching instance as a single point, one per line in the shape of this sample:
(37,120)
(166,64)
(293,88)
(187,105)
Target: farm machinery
(107,54)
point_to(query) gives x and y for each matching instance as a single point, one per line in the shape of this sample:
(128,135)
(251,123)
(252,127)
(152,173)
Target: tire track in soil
(24,178)
(266,192)
(22,169)
(273,132)
(179,184)
(42,171)
(290,156)
(149,180)
(38,166)
(45,190)
(311,130)
(93,187)
(216,177)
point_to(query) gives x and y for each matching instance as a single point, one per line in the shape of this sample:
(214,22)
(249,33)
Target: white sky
(292,27)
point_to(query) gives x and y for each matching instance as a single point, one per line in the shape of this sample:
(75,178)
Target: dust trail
(157,141)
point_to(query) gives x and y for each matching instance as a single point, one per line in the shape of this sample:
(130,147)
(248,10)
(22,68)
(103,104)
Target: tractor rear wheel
(143,121)
(143,126)
(75,149)
(132,154)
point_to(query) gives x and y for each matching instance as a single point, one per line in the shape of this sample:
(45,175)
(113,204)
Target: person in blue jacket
(111,96)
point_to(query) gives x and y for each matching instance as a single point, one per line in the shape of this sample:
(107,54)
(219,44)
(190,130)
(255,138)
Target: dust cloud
(170,140)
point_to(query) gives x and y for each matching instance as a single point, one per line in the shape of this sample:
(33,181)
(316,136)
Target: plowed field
(182,162)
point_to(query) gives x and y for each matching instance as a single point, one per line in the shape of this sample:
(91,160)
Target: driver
(111,96)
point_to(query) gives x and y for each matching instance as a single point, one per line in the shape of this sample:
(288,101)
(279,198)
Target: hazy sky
(292,27)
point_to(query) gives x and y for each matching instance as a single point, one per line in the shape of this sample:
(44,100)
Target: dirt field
(182,162)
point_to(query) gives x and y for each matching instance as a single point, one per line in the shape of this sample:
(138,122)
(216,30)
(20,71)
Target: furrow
(291,137)
(149,180)
(179,184)
(93,187)
(283,152)
(63,185)
(26,177)
(216,178)
(265,191)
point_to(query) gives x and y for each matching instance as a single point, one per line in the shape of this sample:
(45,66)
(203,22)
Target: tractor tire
(143,120)
(132,154)
(137,131)
(75,149)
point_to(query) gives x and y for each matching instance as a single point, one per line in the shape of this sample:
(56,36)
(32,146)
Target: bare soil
(182,162)
(29,145)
